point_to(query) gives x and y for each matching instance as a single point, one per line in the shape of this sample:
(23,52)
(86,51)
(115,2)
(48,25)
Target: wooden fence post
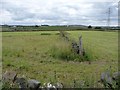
(80,46)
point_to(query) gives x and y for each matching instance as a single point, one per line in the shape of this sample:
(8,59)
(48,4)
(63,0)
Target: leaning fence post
(80,46)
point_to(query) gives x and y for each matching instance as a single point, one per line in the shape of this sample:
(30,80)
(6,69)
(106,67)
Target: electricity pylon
(108,20)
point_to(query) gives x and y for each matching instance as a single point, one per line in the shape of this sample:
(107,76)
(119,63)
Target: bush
(98,28)
(45,33)
(36,26)
(89,26)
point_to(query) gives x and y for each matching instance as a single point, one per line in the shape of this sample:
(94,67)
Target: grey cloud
(58,13)
(18,12)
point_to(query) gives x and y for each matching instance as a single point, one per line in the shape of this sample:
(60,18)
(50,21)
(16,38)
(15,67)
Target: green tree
(89,26)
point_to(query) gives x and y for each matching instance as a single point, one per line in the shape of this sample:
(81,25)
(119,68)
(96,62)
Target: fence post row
(80,46)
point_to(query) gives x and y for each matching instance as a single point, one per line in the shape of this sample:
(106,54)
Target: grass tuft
(64,52)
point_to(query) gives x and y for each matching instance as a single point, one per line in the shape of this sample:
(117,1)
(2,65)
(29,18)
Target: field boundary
(77,48)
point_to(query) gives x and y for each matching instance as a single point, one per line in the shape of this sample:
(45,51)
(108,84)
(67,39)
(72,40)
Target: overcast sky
(58,12)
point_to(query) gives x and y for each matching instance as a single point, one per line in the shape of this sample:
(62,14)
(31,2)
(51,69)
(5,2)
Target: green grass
(31,54)
(0,59)
(99,45)
(41,28)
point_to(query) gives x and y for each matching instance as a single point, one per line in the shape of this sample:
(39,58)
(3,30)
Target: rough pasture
(32,54)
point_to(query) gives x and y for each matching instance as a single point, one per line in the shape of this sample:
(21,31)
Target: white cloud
(58,12)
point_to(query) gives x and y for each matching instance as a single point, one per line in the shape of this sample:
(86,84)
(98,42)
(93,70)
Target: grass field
(100,45)
(39,55)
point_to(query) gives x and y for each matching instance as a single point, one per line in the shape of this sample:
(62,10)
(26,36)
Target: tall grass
(64,51)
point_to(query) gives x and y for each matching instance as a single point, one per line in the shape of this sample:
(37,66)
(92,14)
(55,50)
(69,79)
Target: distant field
(41,28)
(6,28)
(31,54)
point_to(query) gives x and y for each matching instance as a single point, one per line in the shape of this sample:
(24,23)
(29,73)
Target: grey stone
(59,85)
(116,76)
(9,76)
(33,84)
(106,79)
(50,86)
(22,82)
